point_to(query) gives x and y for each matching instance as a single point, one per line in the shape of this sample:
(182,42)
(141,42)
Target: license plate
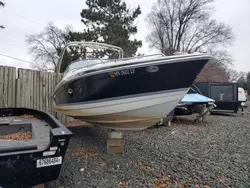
(48,162)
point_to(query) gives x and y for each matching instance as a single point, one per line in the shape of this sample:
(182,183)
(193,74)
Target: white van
(241,97)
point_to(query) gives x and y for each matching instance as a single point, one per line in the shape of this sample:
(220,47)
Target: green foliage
(111,22)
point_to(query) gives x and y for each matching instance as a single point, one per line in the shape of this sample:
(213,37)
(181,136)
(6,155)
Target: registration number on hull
(48,162)
(121,72)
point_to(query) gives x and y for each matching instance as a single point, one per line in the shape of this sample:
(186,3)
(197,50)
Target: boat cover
(195,98)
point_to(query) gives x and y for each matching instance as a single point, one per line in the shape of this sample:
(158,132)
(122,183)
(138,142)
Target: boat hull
(130,113)
(126,97)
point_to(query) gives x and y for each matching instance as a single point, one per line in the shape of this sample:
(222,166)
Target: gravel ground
(216,154)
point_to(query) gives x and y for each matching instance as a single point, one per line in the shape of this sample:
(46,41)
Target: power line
(18,28)
(11,37)
(13,45)
(24,18)
(16,58)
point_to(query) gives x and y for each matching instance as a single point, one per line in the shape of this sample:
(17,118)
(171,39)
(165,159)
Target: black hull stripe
(127,97)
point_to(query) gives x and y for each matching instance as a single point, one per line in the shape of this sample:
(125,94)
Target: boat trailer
(29,161)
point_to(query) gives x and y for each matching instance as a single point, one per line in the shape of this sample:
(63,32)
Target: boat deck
(39,129)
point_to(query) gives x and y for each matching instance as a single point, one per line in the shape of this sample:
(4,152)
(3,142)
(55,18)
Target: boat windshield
(86,50)
(82,63)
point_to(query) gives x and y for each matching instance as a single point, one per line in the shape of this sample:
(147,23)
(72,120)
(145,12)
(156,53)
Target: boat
(33,146)
(124,93)
(195,103)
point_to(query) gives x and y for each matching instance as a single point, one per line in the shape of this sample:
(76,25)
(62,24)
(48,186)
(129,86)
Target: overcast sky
(29,16)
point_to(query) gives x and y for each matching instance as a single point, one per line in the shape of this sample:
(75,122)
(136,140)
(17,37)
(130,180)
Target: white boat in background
(125,93)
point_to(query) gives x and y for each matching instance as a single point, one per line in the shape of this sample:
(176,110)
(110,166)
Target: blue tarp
(195,98)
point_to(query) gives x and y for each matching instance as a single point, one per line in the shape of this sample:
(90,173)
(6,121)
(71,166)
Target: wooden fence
(28,88)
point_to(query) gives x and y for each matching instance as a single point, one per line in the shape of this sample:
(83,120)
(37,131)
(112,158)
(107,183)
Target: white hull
(131,113)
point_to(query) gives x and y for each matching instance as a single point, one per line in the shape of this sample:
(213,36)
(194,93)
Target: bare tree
(219,70)
(186,25)
(213,72)
(235,75)
(222,57)
(46,46)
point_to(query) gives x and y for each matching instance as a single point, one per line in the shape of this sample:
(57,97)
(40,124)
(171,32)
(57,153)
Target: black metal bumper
(18,166)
